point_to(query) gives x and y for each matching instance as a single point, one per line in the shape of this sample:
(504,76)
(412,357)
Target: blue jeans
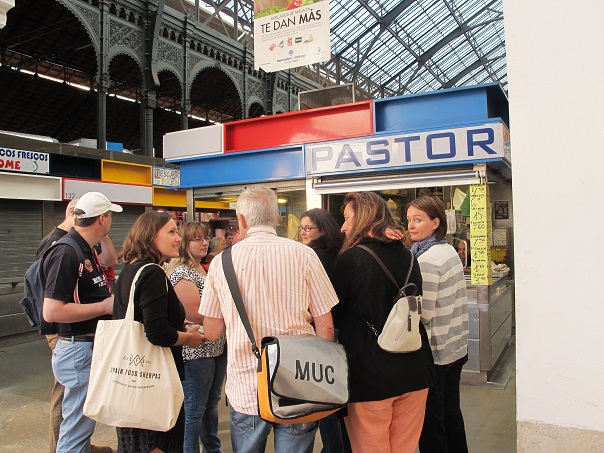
(71,367)
(203,388)
(249,434)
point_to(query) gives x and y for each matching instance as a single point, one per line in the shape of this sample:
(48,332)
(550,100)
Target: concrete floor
(26,380)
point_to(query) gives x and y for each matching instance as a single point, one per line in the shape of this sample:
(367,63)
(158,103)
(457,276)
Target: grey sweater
(444,303)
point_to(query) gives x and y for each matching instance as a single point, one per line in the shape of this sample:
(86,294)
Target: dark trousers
(443,430)
(333,435)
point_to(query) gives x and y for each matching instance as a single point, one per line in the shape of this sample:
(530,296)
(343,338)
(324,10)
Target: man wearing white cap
(107,257)
(77,304)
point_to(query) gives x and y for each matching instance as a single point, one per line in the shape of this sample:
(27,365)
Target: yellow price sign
(480,231)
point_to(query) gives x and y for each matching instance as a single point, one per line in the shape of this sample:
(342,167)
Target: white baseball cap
(95,204)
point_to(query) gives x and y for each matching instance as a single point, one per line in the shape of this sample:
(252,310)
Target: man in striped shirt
(285,291)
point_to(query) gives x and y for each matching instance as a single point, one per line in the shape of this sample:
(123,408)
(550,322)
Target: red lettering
(15,165)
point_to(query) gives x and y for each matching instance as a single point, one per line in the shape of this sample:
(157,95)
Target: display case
(490,309)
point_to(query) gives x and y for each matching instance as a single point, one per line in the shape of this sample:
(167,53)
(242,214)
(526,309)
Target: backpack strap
(80,256)
(391,277)
(385,269)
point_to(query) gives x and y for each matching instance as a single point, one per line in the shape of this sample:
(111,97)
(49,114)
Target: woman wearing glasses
(319,230)
(205,366)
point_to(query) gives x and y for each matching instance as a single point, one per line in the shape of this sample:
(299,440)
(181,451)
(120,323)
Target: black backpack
(35,282)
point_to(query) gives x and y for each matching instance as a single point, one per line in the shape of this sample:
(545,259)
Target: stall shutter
(406,180)
(20,234)
(120,226)
(122,222)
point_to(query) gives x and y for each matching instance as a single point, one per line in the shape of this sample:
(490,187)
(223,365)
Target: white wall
(555,56)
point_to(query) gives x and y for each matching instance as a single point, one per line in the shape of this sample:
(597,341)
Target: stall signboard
(480,232)
(169,177)
(24,161)
(288,34)
(117,193)
(447,146)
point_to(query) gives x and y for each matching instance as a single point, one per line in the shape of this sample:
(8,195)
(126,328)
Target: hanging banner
(290,33)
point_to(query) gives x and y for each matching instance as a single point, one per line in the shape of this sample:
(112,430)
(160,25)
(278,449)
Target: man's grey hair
(71,205)
(258,204)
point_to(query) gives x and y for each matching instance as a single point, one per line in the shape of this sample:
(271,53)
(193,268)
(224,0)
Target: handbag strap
(130,309)
(389,274)
(385,269)
(231,277)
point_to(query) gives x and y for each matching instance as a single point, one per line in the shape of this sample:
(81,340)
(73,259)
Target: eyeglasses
(306,229)
(200,240)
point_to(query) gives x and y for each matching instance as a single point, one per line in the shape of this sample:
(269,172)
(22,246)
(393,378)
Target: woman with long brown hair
(154,239)
(387,390)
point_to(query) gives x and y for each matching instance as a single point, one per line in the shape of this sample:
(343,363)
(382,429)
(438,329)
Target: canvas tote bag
(133,383)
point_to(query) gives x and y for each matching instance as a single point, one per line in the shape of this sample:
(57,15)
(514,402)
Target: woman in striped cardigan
(445,316)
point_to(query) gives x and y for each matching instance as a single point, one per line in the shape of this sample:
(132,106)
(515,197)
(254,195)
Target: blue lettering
(7,152)
(378,152)
(407,141)
(317,158)
(446,135)
(342,159)
(472,142)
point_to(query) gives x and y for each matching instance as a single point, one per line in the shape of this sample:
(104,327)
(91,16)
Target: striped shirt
(444,303)
(283,285)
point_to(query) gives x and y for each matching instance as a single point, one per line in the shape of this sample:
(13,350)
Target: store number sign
(480,231)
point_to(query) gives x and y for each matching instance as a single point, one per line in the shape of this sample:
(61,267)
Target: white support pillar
(313,200)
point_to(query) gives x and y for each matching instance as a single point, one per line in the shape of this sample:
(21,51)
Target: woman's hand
(395,235)
(193,336)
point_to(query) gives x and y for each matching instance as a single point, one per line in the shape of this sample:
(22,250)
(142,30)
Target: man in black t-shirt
(77,313)
(109,258)
(56,395)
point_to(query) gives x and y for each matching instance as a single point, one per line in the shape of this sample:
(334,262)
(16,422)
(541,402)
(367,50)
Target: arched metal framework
(186,63)
(394,47)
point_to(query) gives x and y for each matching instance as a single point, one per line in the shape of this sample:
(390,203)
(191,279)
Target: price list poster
(480,231)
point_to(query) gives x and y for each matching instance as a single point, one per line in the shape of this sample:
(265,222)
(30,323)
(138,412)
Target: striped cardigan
(444,303)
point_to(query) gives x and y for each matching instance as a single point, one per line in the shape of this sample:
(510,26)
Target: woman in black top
(319,231)
(387,390)
(154,239)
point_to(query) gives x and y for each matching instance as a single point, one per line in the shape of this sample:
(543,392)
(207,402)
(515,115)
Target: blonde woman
(205,365)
